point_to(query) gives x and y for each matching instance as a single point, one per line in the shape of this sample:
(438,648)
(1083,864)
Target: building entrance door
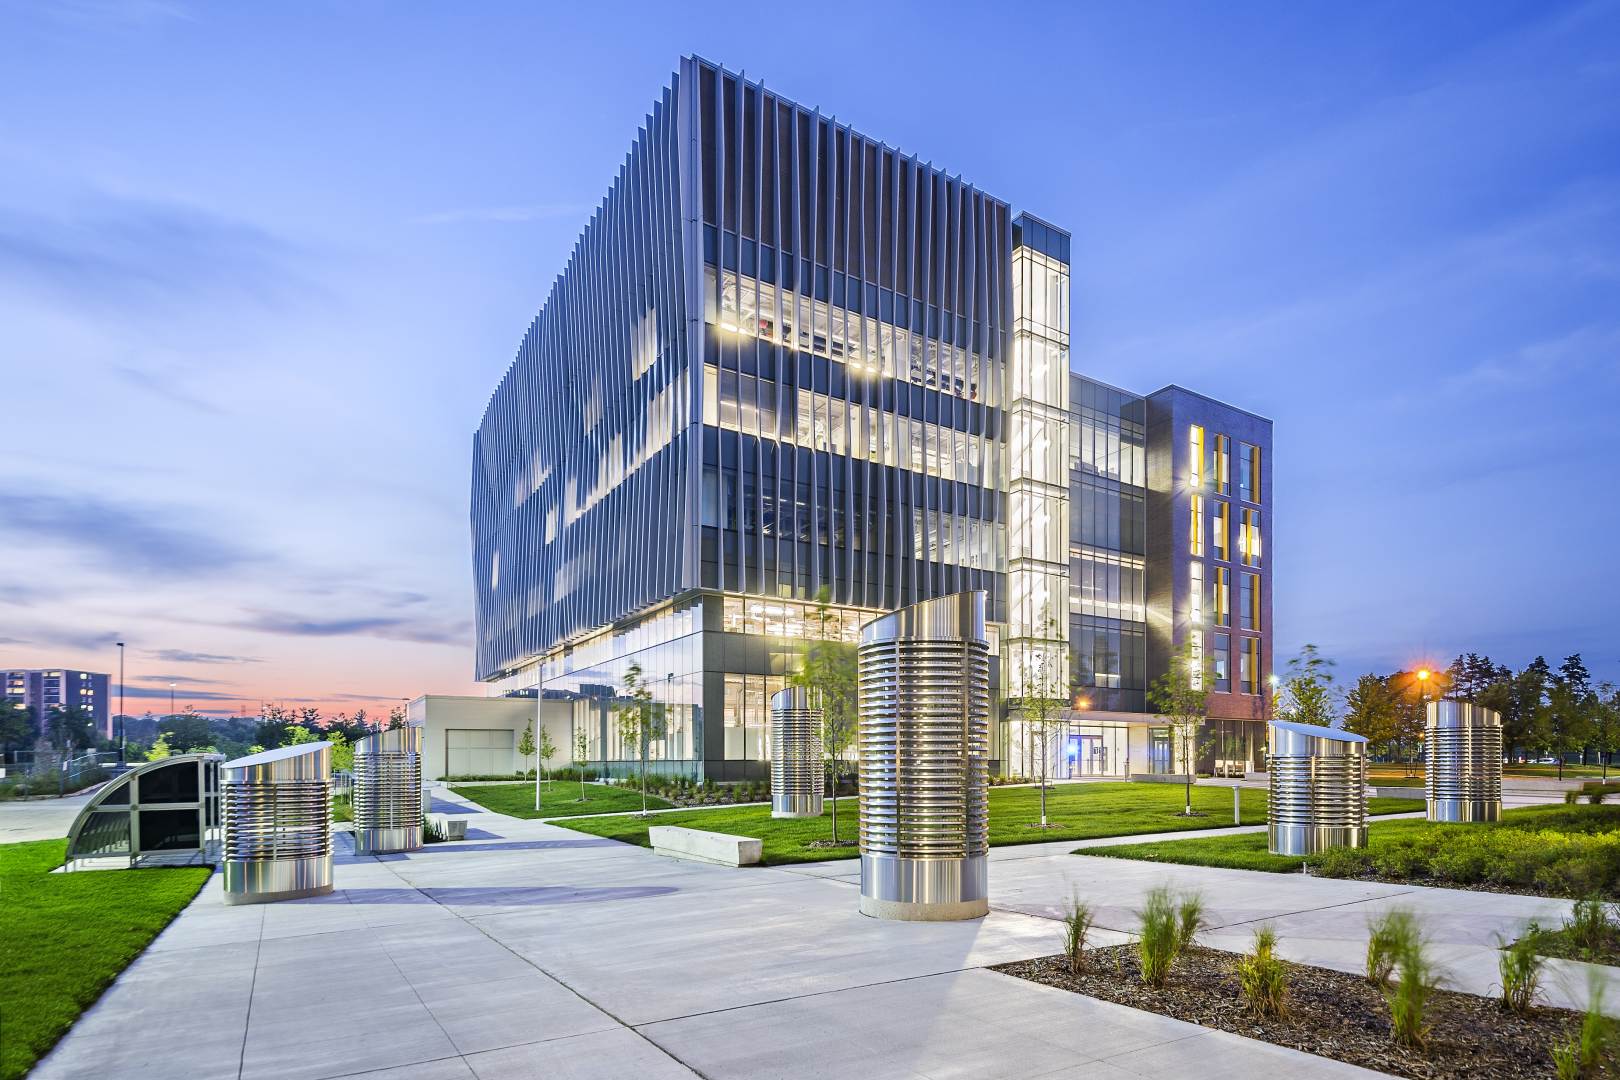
(1088,756)
(1160,754)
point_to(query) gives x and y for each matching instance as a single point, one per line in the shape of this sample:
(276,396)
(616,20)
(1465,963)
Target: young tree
(641,720)
(1181,697)
(525,747)
(582,749)
(1043,688)
(828,670)
(1308,689)
(1371,710)
(546,751)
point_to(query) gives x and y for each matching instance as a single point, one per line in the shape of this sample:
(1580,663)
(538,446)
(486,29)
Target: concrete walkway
(533,951)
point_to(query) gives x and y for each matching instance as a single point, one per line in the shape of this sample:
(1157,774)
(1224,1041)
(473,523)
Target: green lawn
(1080,811)
(1568,851)
(65,937)
(1393,773)
(558,798)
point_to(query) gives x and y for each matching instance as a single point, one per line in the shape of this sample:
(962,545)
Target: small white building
(478,736)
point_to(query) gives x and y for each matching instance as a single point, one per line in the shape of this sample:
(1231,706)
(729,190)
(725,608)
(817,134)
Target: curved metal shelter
(278,824)
(924,746)
(388,791)
(161,813)
(1463,778)
(797,780)
(1318,790)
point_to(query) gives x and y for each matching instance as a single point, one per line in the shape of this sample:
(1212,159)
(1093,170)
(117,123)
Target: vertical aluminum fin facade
(1463,776)
(924,746)
(388,791)
(579,489)
(1318,795)
(278,824)
(797,766)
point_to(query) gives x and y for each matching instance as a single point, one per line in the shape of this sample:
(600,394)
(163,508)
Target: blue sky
(261,265)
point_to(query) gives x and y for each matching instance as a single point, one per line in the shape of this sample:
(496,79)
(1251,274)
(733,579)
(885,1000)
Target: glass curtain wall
(1037,478)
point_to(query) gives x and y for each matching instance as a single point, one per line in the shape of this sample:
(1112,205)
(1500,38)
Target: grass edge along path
(65,937)
(1081,812)
(558,798)
(1554,850)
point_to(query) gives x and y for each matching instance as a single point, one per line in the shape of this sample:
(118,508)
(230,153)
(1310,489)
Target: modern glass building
(784,362)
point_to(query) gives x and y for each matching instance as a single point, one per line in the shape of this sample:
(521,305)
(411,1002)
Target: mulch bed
(1330,1013)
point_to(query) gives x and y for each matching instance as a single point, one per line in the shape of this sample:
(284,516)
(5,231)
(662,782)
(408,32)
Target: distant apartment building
(45,689)
(788,361)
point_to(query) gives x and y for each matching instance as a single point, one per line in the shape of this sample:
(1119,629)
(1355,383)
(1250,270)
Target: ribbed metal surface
(1463,778)
(1318,789)
(388,792)
(278,824)
(597,433)
(797,780)
(924,745)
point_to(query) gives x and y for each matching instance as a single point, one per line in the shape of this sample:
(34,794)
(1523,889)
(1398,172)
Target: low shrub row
(1558,851)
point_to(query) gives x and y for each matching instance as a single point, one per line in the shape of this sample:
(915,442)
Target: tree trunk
(835,803)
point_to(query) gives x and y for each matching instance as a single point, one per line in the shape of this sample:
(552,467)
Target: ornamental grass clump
(1416,981)
(1078,918)
(1262,977)
(1591,926)
(1168,925)
(1584,1054)
(1387,935)
(1520,968)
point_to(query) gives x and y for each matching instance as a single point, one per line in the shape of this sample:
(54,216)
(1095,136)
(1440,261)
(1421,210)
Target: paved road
(533,951)
(39,819)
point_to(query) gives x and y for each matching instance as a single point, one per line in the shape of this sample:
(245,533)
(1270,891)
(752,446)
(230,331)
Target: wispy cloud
(392,627)
(166,386)
(186,656)
(182,698)
(137,256)
(185,680)
(119,537)
(468,214)
(114,14)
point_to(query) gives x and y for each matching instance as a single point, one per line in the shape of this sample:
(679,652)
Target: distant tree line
(67,732)
(1546,711)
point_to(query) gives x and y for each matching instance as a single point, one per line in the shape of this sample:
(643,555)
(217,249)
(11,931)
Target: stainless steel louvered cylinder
(388,792)
(1463,778)
(924,746)
(278,824)
(1318,789)
(796,758)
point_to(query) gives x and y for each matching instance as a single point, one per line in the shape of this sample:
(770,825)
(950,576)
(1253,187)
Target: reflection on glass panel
(174,784)
(105,833)
(168,830)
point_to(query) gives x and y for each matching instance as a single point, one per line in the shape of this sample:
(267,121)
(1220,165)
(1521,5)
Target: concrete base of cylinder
(278,879)
(387,841)
(935,911)
(1464,810)
(1308,840)
(924,890)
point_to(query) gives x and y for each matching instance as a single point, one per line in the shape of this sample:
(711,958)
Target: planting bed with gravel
(1329,1013)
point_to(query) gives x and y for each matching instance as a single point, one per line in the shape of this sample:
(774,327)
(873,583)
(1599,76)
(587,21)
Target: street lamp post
(171,703)
(123,717)
(1423,686)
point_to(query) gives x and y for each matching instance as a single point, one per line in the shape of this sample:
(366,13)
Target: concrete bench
(723,849)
